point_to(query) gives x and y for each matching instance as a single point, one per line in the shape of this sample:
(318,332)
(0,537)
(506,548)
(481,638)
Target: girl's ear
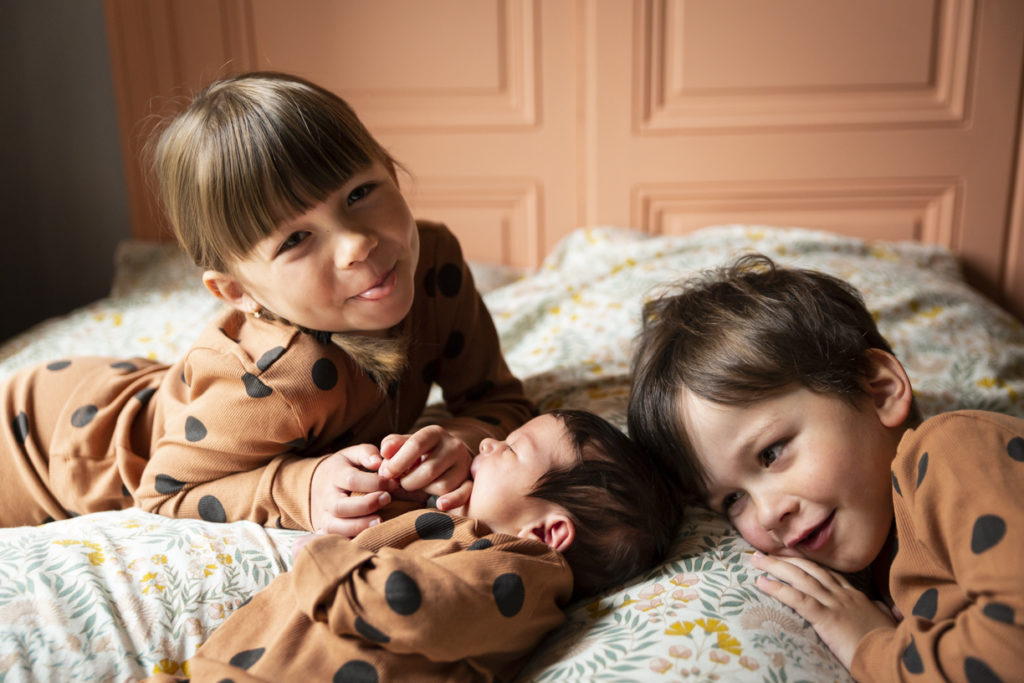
(229,290)
(555,529)
(888,387)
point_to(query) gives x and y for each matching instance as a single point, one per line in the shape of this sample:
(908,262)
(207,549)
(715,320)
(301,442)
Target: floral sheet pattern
(118,596)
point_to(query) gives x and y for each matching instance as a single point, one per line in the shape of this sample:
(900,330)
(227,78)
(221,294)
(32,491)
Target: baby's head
(754,369)
(251,151)
(572,480)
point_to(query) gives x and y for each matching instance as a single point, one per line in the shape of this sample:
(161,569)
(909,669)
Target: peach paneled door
(520,120)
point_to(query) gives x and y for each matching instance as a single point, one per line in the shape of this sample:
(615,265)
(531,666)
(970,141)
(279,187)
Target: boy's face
(799,474)
(505,472)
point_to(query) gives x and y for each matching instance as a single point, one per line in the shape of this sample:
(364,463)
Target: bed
(119,595)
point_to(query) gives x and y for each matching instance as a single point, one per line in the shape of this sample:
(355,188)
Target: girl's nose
(773,509)
(353,247)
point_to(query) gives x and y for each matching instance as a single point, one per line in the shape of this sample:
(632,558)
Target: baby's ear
(229,290)
(888,387)
(555,529)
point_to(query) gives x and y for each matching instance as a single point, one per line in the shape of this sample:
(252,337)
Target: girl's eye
(293,240)
(359,193)
(770,454)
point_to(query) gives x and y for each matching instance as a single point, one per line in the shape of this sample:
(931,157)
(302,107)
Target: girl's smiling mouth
(380,289)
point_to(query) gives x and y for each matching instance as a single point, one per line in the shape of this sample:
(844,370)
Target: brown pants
(71,442)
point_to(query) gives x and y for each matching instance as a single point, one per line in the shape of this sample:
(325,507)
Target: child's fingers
(456,499)
(390,444)
(362,455)
(349,527)
(801,572)
(409,454)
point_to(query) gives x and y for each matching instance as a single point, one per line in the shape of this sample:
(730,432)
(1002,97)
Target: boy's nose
(773,510)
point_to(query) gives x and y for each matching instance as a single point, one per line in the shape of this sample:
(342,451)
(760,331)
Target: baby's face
(798,474)
(504,473)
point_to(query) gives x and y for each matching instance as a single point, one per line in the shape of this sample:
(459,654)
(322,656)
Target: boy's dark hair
(624,512)
(741,333)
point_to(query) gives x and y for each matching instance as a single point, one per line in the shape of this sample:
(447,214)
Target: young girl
(785,409)
(342,312)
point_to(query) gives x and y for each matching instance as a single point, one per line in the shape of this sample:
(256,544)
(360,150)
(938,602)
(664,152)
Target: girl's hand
(840,613)
(431,460)
(332,508)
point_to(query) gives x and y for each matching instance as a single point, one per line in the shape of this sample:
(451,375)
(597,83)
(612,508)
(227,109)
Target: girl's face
(346,265)
(800,474)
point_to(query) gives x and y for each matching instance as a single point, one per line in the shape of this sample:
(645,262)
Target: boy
(783,408)
(563,508)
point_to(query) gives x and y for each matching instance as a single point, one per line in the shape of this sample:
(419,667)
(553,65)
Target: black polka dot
(430,371)
(912,659)
(165,483)
(194,429)
(211,510)
(144,395)
(125,365)
(927,605)
(254,387)
(453,347)
(356,671)
(978,671)
(988,531)
(19,425)
(489,419)
(449,279)
(922,467)
(430,282)
(509,594)
(370,632)
(998,611)
(246,658)
(480,544)
(896,484)
(435,525)
(325,375)
(1015,449)
(58,365)
(480,390)
(402,594)
(84,415)
(269,358)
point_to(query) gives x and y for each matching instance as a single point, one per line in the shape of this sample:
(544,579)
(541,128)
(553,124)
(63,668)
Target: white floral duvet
(117,596)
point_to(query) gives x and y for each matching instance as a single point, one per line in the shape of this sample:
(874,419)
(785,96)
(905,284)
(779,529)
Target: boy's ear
(555,529)
(888,387)
(229,290)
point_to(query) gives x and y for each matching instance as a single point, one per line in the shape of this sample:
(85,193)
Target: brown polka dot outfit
(235,428)
(958,572)
(425,596)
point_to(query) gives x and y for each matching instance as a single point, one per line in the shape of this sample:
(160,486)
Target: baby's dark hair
(741,333)
(625,514)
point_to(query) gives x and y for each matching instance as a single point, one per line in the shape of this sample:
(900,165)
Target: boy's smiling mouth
(815,538)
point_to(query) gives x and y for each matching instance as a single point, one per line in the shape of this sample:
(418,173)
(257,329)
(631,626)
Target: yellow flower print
(679,628)
(729,644)
(166,666)
(150,579)
(159,559)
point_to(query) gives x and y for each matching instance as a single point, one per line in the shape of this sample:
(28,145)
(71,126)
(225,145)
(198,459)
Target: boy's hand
(332,508)
(431,460)
(840,613)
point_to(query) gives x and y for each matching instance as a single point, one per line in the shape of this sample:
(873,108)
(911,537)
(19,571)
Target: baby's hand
(431,460)
(840,613)
(332,508)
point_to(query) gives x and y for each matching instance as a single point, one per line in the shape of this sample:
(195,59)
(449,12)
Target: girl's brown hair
(249,152)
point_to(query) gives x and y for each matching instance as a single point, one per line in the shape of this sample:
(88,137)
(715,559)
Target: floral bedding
(120,595)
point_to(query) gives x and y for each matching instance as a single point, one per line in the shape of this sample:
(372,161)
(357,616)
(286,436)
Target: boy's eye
(359,193)
(770,454)
(293,240)
(729,500)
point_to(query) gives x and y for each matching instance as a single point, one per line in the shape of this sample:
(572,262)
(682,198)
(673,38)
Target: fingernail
(375,521)
(384,498)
